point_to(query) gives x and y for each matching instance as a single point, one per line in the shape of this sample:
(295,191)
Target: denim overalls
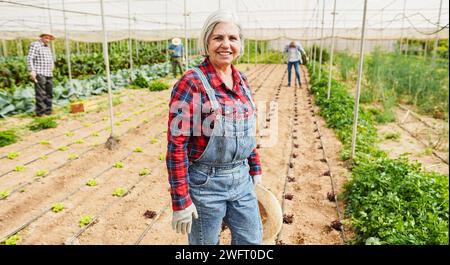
(220,185)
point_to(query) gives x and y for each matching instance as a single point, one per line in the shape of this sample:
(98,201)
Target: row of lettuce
(22,100)
(388,201)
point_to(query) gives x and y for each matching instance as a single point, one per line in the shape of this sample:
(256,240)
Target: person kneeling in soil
(213,169)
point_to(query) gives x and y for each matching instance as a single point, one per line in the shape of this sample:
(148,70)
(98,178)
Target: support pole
(185,37)
(130,43)
(358,84)
(51,30)
(330,73)
(435,46)
(112,141)
(321,40)
(69,66)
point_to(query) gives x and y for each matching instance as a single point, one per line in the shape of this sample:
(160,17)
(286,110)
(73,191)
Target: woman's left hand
(257,179)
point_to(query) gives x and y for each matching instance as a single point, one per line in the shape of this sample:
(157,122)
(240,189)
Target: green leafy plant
(42,123)
(19,168)
(72,157)
(4,194)
(94,134)
(162,157)
(158,85)
(63,148)
(85,220)
(87,124)
(118,123)
(392,136)
(69,134)
(44,157)
(44,142)
(138,150)
(41,172)
(118,165)
(13,155)
(57,207)
(92,182)
(144,171)
(7,137)
(12,240)
(119,192)
(79,141)
(153,140)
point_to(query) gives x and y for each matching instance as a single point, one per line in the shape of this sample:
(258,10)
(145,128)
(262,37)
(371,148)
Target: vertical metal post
(69,66)
(403,25)
(330,73)
(51,30)
(185,37)
(108,77)
(321,40)
(435,46)
(5,47)
(130,43)
(165,31)
(313,55)
(358,84)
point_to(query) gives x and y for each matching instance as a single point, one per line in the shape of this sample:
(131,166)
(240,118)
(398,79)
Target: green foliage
(42,123)
(57,207)
(118,165)
(389,201)
(395,201)
(158,85)
(41,172)
(44,142)
(347,65)
(140,82)
(119,192)
(4,194)
(63,148)
(12,240)
(12,155)
(392,136)
(138,150)
(92,182)
(144,171)
(19,168)
(72,157)
(85,220)
(7,137)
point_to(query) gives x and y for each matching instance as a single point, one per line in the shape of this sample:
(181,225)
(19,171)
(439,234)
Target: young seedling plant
(118,165)
(119,192)
(4,194)
(72,157)
(57,207)
(138,150)
(85,220)
(12,240)
(92,182)
(144,171)
(13,155)
(44,142)
(41,172)
(19,168)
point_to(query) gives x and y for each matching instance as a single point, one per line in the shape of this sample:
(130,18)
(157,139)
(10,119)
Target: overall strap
(209,90)
(247,92)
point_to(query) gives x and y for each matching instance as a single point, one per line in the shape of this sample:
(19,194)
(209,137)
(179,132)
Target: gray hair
(215,18)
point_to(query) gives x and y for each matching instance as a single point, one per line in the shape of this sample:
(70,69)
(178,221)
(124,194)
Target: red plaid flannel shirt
(183,149)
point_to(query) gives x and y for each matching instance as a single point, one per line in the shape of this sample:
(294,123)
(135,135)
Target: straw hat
(47,34)
(176,41)
(270,211)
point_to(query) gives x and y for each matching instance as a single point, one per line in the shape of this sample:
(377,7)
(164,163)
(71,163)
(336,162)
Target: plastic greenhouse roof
(261,19)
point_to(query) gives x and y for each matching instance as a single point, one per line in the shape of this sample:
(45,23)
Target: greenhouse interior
(353,151)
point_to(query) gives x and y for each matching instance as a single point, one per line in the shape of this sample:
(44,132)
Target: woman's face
(224,44)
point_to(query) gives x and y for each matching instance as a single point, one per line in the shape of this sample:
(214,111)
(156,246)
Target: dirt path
(121,220)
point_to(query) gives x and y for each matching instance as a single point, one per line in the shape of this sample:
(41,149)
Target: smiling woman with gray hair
(212,160)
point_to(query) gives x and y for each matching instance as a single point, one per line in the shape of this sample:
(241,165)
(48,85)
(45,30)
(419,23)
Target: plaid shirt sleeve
(30,57)
(177,160)
(253,160)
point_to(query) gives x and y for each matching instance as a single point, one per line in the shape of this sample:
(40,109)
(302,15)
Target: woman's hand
(257,179)
(182,220)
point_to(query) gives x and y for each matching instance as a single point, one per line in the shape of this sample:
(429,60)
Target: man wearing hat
(40,65)
(176,52)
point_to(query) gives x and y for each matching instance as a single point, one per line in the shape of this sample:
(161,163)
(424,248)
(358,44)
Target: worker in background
(294,53)
(176,52)
(40,66)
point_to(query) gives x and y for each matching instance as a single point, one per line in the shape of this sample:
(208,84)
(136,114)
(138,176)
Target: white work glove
(182,220)
(257,179)
(33,76)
